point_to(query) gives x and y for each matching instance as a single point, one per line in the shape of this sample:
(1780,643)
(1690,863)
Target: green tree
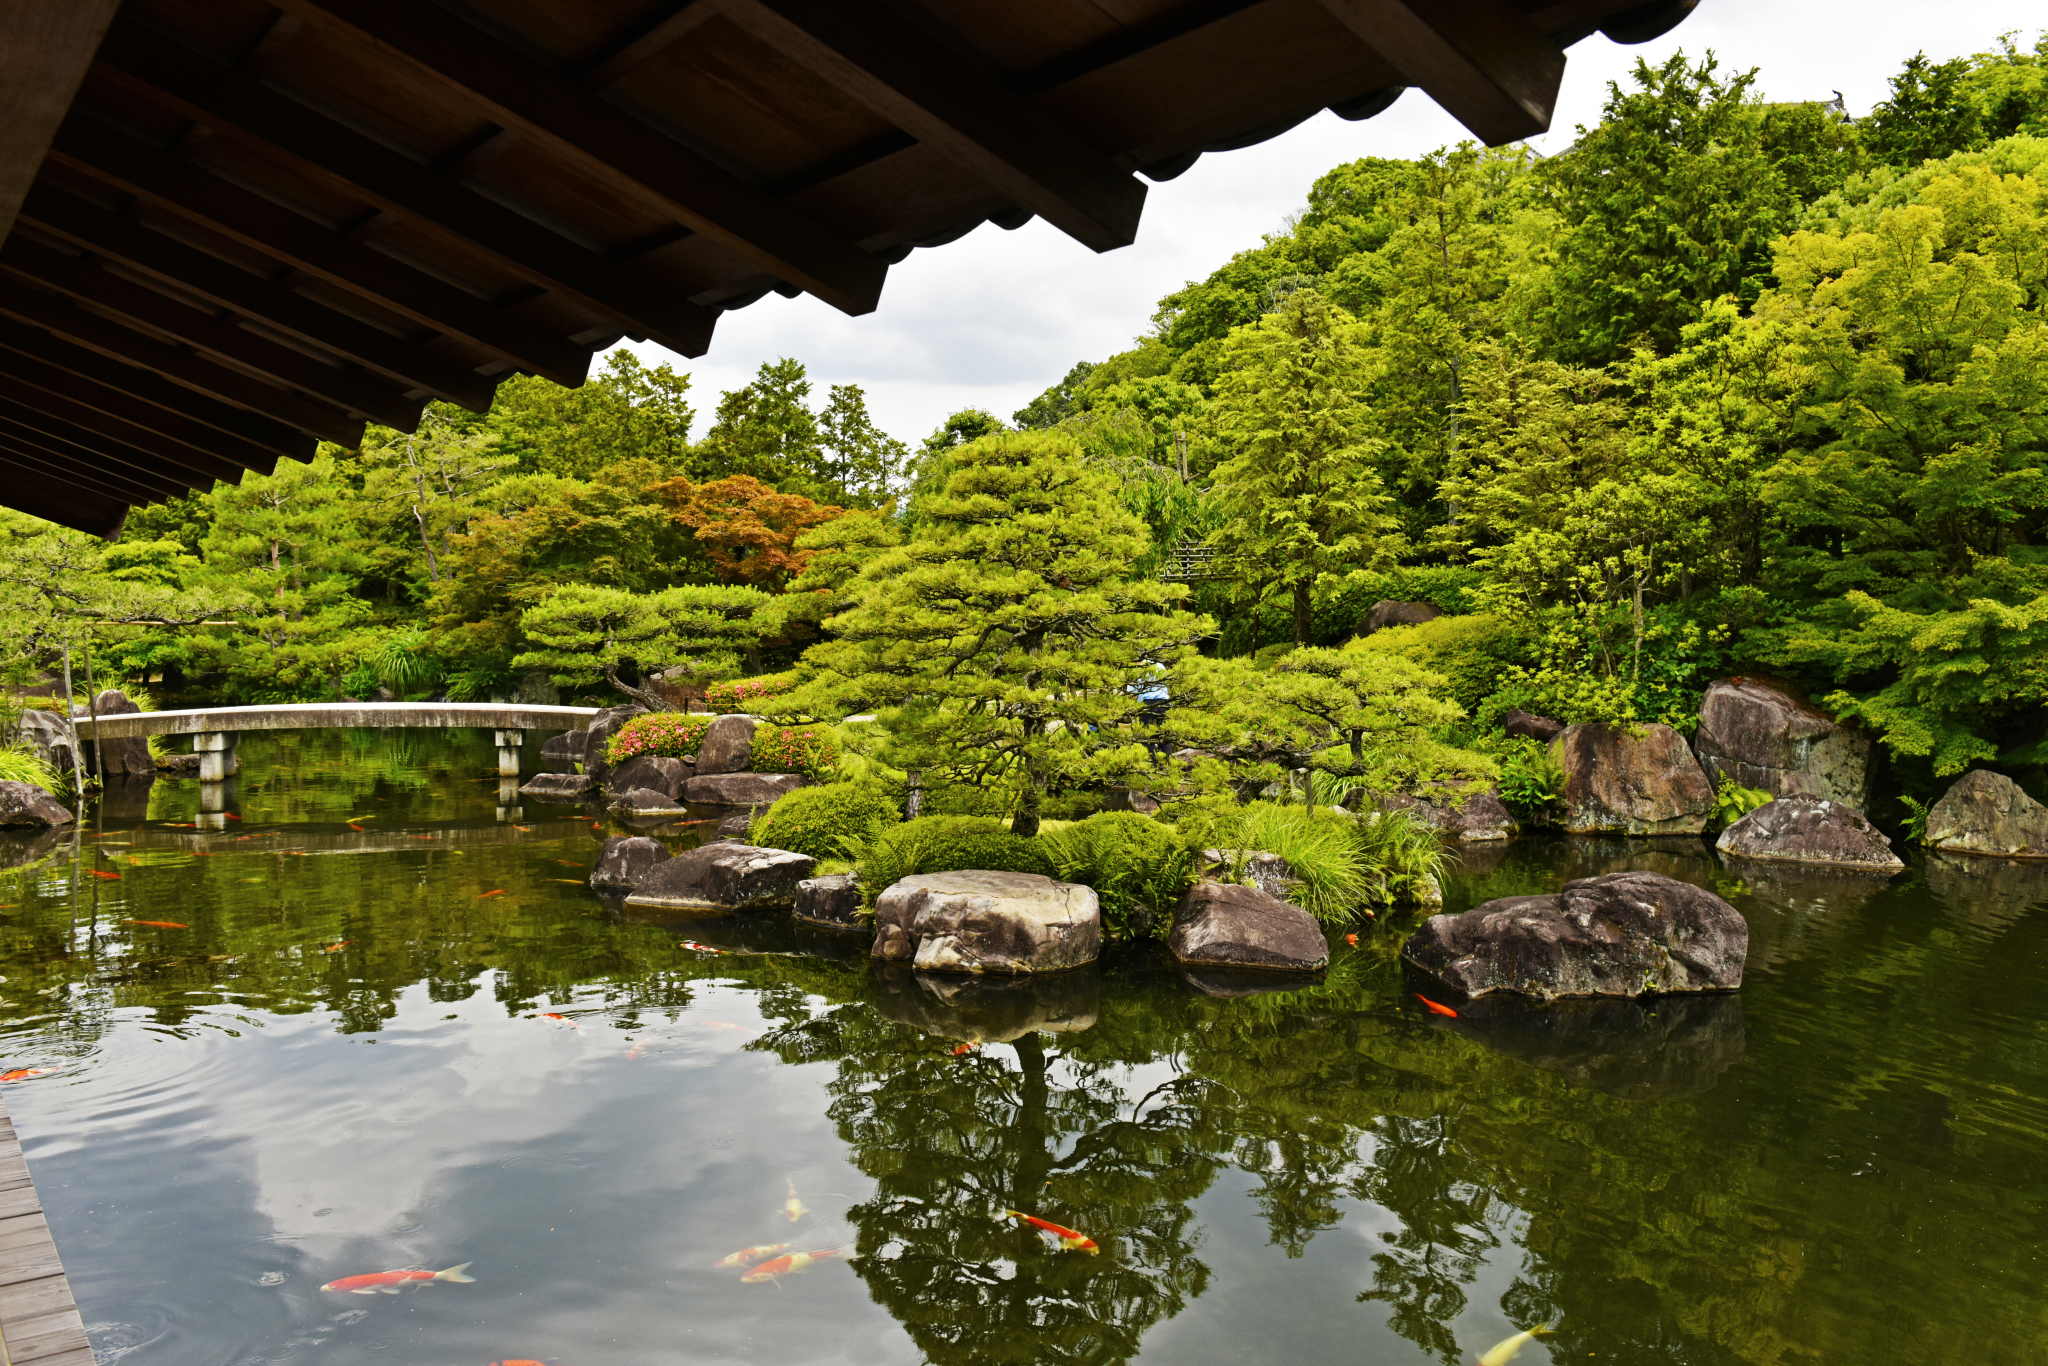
(625,411)
(766,430)
(862,462)
(1007,636)
(1298,492)
(579,634)
(1932,112)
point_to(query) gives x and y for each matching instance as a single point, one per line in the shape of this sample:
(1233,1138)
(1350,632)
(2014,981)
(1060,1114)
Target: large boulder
(652,771)
(832,900)
(1631,780)
(728,746)
(1479,817)
(558,787)
(1620,934)
(1986,813)
(126,755)
(46,733)
(975,921)
(623,861)
(24,805)
(563,753)
(1219,924)
(723,877)
(1526,724)
(739,789)
(598,738)
(1810,830)
(1761,734)
(1387,612)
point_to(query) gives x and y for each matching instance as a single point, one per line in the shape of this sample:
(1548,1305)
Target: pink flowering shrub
(666,734)
(741,694)
(810,750)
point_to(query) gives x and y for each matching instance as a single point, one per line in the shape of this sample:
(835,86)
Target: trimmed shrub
(743,694)
(810,750)
(1138,868)
(664,734)
(822,821)
(944,844)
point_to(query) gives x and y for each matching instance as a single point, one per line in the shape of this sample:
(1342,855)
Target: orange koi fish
(24,1073)
(231,816)
(204,853)
(419,837)
(1352,940)
(391,1282)
(525,829)
(1070,1240)
(570,863)
(101,872)
(337,948)
(161,924)
(747,1256)
(726,1024)
(495,891)
(793,1208)
(789,1265)
(353,826)
(559,1019)
(967,1048)
(1434,1008)
(701,948)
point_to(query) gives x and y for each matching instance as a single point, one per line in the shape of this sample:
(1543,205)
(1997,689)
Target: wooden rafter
(1482,60)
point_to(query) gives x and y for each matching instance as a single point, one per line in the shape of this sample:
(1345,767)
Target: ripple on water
(143,1324)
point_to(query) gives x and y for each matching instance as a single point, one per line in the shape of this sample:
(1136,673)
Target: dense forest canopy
(1729,384)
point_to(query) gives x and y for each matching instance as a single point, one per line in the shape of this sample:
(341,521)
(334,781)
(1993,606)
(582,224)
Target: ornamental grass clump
(1138,868)
(818,820)
(811,750)
(743,695)
(20,764)
(663,734)
(944,844)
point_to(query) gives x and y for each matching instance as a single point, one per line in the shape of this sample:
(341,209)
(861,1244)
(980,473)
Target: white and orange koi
(789,1265)
(793,1208)
(391,1282)
(747,1256)
(1507,1349)
(1070,1240)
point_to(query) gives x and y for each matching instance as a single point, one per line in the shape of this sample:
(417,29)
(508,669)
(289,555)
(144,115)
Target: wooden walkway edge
(38,1322)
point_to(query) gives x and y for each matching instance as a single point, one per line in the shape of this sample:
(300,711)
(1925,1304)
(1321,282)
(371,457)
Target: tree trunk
(1025,822)
(1302,621)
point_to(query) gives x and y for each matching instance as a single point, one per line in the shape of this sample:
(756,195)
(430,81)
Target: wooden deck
(38,1321)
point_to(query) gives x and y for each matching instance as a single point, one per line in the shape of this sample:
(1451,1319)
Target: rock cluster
(563,753)
(127,755)
(1620,934)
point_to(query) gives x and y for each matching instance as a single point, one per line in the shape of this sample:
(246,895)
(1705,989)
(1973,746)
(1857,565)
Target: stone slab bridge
(214,730)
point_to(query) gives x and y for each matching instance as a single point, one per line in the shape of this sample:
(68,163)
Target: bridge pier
(215,801)
(509,744)
(216,751)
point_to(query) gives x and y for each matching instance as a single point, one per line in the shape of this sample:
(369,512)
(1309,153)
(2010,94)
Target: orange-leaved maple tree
(748,529)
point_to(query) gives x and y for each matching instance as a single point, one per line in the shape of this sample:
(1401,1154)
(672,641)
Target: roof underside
(241,227)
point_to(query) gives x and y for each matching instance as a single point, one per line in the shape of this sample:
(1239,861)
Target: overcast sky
(993,319)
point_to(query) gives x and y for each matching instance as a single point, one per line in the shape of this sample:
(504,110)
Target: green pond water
(345,1063)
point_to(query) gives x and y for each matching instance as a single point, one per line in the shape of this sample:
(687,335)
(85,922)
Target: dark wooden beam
(274,438)
(81,509)
(145,448)
(81,469)
(932,93)
(83,280)
(45,47)
(184,188)
(65,319)
(115,403)
(119,238)
(90,451)
(604,141)
(1482,60)
(645,43)
(219,97)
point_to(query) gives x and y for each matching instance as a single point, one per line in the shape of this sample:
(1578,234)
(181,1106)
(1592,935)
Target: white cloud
(994,318)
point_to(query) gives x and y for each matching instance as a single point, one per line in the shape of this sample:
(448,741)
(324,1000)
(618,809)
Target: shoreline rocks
(987,922)
(1761,734)
(1619,934)
(1481,817)
(654,772)
(1986,814)
(26,806)
(128,755)
(559,787)
(625,860)
(723,877)
(598,738)
(1222,925)
(739,789)
(1810,830)
(564,753)
(728,746)
(832,901)
(1630,780)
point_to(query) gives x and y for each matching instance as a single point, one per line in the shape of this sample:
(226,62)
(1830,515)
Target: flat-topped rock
(1987,814)
(739,789)
(565,787)
(644,803)
(833,901)
(1222,925)
(1619,934)
(979,921)
(728,746)
(656,773)
(624,860)
(1631,780)
(26,806)
(1810,830)
(723,877)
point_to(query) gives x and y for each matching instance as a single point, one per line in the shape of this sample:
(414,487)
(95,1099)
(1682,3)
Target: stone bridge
(214,730)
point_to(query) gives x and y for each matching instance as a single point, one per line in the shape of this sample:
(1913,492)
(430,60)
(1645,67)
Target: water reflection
(988,1009)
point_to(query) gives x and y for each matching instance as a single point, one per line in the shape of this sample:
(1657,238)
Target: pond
(393,1029)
